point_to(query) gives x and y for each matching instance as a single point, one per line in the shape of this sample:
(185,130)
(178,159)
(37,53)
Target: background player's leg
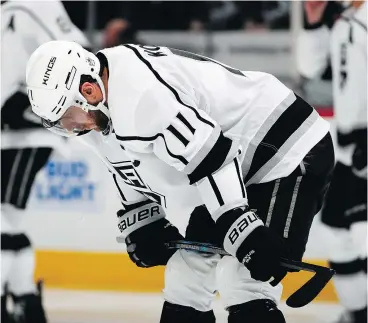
(342,242)
(19,168)
(17,248)
(7,256)
(9,157)
(27,299)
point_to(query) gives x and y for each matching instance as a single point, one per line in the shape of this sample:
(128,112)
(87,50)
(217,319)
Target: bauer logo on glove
(136,218)
(243,223)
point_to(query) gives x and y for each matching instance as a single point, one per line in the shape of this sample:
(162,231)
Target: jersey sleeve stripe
(186,123)
(262,166)
(216,190)
(161,80)
(281,131)
(153,138)
(35,18)
(240,177)
(263,130)
(209,159)
(178,135)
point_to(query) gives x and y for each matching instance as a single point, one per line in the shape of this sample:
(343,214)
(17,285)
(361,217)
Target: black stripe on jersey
(118,187)
(148,64)
(213,161)
(34,17)
(216,190)
(152,138)
(186,123)
(178,135)
(239,176)
(280,132)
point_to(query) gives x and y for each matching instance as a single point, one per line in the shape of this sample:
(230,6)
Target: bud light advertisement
(71,184)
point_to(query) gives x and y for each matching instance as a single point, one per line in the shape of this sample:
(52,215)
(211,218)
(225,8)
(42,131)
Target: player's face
(77,120)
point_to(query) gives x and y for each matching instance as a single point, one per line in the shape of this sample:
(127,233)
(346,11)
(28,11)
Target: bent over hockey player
(250,157)
(25,145)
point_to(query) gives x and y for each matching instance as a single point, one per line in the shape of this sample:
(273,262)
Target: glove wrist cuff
(240,230)
(139,217)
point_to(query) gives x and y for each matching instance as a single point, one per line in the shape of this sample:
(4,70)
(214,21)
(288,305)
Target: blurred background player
(344,48)
(25,146)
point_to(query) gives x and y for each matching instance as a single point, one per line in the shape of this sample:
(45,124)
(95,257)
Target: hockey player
(25,145)
(345,210)
(176,129)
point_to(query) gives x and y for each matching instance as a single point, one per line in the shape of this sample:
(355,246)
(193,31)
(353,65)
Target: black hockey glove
(146,245)
(261,252)
(257,247)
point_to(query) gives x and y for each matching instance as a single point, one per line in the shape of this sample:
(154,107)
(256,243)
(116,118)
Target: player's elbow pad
(138,215)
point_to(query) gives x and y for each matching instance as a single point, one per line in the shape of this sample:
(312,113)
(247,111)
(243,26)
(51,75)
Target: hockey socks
(184,314)
(257,311)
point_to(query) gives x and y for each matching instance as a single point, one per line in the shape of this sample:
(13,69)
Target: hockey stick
(303,296)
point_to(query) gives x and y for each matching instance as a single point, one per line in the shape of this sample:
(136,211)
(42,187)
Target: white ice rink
(108,307)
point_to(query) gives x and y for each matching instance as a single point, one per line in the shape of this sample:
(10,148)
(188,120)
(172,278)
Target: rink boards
(115,272)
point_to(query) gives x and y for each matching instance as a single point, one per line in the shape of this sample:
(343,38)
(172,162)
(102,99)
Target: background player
(25,145)
(345,210)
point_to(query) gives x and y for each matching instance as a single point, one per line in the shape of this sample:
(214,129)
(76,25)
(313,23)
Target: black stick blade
(309,291)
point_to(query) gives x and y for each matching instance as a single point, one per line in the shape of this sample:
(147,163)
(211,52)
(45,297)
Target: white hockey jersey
(25,25)
(346,47)
(180,119)
(349,66)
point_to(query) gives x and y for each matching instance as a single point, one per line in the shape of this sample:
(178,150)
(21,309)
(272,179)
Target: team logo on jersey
(128,173)
(49,68)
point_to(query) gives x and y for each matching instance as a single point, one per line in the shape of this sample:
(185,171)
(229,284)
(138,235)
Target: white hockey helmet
(53,78)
